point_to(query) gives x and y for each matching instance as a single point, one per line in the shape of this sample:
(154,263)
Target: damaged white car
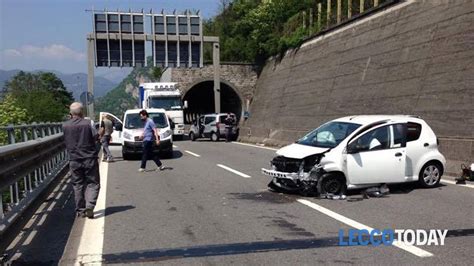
(357,152)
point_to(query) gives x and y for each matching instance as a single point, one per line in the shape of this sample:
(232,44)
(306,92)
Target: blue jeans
(148,154)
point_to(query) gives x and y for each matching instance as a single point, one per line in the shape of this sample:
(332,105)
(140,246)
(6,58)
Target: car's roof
(369,119)
(150,110)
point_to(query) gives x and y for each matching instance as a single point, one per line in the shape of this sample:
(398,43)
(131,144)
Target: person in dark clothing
(229,123)
(80,138)
(150,137)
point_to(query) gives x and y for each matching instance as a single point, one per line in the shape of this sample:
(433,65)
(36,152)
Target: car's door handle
(398,154)
(426,145)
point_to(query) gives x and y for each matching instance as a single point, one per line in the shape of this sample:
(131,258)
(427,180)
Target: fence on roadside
(32,158)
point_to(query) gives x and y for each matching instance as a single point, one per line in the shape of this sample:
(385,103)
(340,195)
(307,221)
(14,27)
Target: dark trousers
(85,182)
(228,133)
(148,154)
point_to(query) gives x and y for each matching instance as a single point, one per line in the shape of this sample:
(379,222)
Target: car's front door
(377,156)
(118,127)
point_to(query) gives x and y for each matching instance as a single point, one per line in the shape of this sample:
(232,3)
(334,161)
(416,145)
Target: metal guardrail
(27,168)
(21,133)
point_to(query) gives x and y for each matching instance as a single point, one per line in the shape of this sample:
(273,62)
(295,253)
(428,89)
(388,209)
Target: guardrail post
(320,6)
(49,129)
(2,215)
(42,130)
(11,134)
(349,9)
(339,11)
(24,132)
(328,17)
(34,129)
(17,193)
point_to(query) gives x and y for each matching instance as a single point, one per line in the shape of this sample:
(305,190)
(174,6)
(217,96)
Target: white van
(359,151)
(130,134)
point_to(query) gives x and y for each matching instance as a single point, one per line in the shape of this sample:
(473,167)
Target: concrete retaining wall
(416,57)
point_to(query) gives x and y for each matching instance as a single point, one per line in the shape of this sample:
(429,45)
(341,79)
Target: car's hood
(298,151)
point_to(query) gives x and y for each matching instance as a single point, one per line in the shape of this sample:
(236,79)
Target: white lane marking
(193,154)
(174,146)
(30,238)
(91,242)
(454,183)
(412,249)
(233,171)
(255,146)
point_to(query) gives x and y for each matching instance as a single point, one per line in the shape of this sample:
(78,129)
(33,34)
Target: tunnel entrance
(201,101)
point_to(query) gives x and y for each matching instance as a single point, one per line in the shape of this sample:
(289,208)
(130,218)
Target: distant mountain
(125,95)
(77,83)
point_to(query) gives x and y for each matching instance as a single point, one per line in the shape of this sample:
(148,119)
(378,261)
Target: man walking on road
(80,138)
(150,137)
(105,132)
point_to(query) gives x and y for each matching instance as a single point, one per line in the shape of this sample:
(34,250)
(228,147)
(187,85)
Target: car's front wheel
(333,183)
(430,175)
(192,137)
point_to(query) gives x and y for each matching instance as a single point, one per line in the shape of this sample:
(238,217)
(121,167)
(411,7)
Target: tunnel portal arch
(200,98)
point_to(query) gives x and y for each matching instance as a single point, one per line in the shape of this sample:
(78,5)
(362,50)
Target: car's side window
(377,139)
(413,131)
(209,119)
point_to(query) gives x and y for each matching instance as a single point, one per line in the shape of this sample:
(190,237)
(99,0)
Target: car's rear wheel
(214,136)
(333,184)
(192,137)
(430,175)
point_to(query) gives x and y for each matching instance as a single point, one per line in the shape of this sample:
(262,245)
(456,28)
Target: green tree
(10,113)
(42,95)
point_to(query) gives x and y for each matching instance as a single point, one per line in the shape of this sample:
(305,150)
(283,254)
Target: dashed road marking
(233,171)
(193,154)
(255,146)
(412,249)
(174,146)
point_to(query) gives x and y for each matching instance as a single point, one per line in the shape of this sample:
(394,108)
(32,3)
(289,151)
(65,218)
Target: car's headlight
(166,134)
(127,135)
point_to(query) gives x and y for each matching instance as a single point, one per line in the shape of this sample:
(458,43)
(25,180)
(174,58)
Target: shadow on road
(218,250)
(111,210)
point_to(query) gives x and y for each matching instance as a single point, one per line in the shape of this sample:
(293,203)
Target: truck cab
(165,95)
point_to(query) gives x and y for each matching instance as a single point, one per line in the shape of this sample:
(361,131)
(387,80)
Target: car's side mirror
(352,148)
(172,125)
(118,127)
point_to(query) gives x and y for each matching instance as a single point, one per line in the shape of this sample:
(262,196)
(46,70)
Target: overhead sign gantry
(119,40)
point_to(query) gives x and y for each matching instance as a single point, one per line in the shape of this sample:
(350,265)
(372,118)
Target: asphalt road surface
(211,206)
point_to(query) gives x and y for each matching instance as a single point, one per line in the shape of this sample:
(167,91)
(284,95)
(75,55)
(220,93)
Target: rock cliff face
(416,57)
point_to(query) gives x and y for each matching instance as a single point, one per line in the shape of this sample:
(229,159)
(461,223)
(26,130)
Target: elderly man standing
(80,137)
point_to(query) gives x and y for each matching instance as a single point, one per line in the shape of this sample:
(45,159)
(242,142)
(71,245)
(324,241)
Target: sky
(51,34)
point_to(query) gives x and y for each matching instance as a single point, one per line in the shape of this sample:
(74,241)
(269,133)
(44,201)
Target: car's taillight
(218,124)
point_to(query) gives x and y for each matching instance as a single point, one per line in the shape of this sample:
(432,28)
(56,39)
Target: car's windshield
(167,103)
(133,121)
(328,135)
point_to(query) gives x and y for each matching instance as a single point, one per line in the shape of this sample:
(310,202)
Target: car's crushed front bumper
(277,174)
